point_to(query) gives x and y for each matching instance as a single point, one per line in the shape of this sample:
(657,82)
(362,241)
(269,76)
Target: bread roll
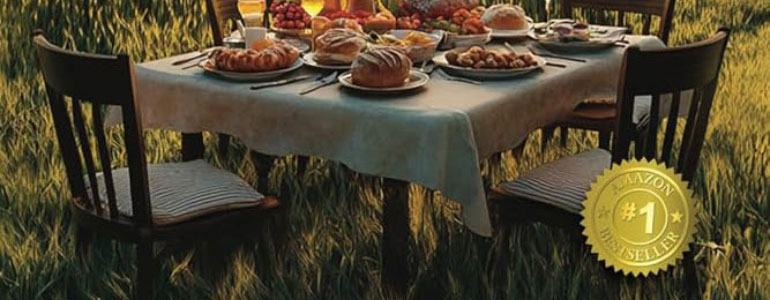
(505,17)
(381,68)
(338,46)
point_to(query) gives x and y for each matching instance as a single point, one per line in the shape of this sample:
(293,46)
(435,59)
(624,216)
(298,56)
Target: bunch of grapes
(289,14)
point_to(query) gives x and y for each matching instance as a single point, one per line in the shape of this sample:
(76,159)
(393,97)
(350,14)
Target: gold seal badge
(638,217)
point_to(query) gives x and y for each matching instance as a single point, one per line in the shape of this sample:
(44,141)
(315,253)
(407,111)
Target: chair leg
(223,144)
(263,163)
(83,239)
(498,268)
(604,140)
(519,150)
(146,271)
(691,277)
(302,164)
(547,135)
(564,134)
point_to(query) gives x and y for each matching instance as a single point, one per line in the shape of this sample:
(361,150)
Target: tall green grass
(333,226)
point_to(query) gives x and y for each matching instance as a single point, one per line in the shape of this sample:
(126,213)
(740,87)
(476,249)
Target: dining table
(436,136)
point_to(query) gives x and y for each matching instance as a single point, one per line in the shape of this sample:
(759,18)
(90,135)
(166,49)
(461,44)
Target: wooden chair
(142,204)
(219,13)
(598,114)
(553,194)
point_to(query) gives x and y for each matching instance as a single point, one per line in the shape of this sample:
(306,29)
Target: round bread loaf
(381,68)
(338,46)
(505,17)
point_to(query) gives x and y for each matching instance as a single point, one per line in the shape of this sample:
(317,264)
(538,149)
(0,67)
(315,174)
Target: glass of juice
(313,7)
(252,12)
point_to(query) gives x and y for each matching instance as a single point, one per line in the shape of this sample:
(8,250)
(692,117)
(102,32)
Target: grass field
(334,229)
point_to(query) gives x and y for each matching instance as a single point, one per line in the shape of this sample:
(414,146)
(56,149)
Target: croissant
(279,55)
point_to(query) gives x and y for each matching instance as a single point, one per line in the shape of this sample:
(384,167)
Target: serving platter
(416,80)
(554,44)
(441,61)
(208,66)
(308,58)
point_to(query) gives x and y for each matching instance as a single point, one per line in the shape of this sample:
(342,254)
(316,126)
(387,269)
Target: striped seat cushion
(182,191)
(562,183)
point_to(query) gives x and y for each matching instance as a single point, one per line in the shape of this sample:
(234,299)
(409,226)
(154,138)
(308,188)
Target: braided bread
(279,55)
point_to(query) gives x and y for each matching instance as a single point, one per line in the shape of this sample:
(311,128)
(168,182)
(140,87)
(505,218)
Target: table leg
(192,146)
(263,163)
(395,239)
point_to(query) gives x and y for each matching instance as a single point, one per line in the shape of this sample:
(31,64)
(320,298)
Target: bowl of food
(463,28)
(419,46)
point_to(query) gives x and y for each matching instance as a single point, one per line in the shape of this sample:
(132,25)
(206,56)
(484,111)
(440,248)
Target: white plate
(308,58)
(416,80)
(595,43)
(256,76)
(441,61)
(509,34)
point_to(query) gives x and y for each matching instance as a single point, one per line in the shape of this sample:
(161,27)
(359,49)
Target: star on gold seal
(639,217)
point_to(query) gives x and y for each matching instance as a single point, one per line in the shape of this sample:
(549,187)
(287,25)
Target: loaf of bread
(381,68)
(338,46)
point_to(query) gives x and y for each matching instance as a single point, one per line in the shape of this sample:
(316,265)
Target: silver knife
(279,82)
(186,60)
(332,78)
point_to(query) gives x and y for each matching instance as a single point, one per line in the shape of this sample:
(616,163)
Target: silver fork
(326,80)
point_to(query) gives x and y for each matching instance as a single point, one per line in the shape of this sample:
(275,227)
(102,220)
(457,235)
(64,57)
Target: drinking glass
(313,7)
(252,12)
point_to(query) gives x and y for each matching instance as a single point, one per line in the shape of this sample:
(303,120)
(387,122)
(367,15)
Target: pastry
(478,57)
(505,17)
(266,56)
(338,46)
(381,68)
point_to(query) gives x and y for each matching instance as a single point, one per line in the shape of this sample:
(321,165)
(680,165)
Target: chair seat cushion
(562,183)
(183,191)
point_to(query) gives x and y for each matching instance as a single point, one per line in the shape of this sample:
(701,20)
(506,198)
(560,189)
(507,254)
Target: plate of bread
(266,59)
(507,21)
(383,71)
(483,63)
(336,48)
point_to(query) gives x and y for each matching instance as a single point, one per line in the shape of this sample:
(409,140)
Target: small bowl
(416,53)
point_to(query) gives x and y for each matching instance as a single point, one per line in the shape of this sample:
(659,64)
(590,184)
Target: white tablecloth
(435,137)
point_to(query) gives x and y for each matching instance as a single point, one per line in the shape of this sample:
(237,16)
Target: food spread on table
(378,44)
(381,68)
(478,57)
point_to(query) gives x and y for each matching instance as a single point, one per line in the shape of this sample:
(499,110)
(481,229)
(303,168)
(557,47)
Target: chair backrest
(648,8)
(220,12)
(98,80)
(669,71)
